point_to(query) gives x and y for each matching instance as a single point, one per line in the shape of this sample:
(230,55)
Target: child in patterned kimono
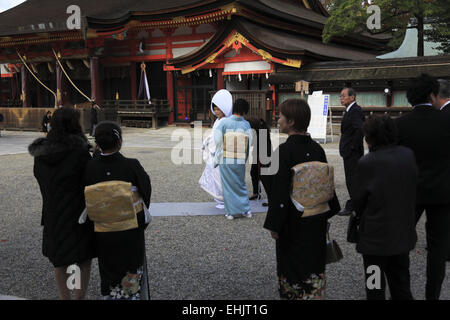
(121,254)
(233,136)
(210,181)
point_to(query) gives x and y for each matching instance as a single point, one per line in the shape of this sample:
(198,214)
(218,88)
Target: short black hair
(419,89)
(380,131)
(241,107)
(108,135)
(299,111)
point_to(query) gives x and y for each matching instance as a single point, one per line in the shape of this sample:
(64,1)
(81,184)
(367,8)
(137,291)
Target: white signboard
(319,114)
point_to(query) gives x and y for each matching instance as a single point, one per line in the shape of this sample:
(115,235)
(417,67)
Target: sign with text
(319,104)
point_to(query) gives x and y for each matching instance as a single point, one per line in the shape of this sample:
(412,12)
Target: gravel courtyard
(201,257)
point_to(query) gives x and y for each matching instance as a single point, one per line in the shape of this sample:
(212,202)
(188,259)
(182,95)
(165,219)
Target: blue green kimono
(232,170)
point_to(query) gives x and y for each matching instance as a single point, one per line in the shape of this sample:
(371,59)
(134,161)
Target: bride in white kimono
(210,181)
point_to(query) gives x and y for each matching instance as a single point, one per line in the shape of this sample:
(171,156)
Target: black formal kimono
(301,247)
(58,168)
(121,255)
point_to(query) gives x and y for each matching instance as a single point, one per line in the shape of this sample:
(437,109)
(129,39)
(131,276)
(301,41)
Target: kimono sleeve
(280,198)
(334,204)
(143,182)
(218,134)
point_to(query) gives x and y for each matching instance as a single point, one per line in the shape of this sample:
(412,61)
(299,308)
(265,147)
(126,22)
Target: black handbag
(353,228)
(334,253)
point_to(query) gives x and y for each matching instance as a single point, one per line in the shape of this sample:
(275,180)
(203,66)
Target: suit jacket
(385,197)
(351,143)
(426,131)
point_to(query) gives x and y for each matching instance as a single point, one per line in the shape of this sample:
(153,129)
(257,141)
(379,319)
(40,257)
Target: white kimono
(210,181)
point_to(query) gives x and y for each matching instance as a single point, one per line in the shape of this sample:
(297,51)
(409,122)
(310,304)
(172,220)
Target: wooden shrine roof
(374,69)
(278,43)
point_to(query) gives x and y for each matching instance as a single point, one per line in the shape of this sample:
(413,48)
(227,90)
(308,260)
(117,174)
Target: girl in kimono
(210,181)
(121,254)
(233,137)
(300,242)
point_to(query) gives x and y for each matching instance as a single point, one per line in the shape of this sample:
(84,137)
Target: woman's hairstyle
(380,131)
(241,107)
(65,121)
(297,110)
(419,89)
(108,135)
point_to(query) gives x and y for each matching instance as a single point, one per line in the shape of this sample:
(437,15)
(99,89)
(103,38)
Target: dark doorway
(192,97)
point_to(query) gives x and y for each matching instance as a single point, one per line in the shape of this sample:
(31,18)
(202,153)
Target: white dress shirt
(445,104)
(348,108)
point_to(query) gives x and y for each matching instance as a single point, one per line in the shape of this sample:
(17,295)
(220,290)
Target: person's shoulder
(132,162)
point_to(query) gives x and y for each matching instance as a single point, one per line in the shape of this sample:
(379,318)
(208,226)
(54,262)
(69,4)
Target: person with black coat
(300,242)
(384,201)
(45,124)
(351,146)
(59,163)
(121,254)
(426,131)
(261,128)
(94,117)
(441,101)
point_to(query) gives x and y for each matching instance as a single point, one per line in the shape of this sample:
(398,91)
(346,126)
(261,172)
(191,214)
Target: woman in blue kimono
(233,137)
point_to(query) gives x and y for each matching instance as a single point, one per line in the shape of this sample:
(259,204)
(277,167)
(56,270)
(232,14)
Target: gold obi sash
(112,206)
(235,145)
(312,187)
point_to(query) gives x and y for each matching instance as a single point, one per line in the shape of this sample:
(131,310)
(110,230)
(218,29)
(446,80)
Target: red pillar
(96,92)
(1,88)
(220,81)
(59,79)
(25,89)
(274,96)
(133,80)
(170,95)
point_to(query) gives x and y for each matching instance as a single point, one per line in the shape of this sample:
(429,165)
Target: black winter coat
(385,198)
(59,168)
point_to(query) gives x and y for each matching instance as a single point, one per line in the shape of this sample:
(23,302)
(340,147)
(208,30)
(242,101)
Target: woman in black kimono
(300,242)
(121,254)
(59,163)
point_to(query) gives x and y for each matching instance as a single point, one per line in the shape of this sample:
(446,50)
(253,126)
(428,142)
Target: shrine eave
(373,69)
(272,45)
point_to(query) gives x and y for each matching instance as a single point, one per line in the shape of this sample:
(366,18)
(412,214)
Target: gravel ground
(203,257)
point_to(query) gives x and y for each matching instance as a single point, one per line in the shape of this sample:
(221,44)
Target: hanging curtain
(144,90)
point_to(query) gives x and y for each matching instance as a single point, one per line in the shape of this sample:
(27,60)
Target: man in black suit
(426,131)
(351,147)
(442,100)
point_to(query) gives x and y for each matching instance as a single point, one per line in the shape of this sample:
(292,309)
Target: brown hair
(299,111)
